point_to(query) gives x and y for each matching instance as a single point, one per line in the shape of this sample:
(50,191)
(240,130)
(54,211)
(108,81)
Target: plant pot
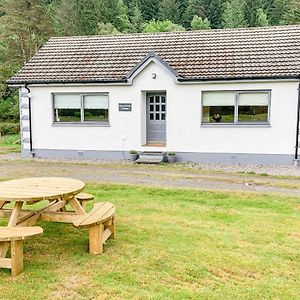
(133,157)
(171,158)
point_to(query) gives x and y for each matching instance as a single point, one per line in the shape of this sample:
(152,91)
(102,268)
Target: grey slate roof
(269,52)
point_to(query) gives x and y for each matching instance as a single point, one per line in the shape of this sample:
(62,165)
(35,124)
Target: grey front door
(156,119)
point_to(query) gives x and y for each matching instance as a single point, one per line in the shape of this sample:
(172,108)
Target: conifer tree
(292,15)
(233,16)
(150,9)
(168,10)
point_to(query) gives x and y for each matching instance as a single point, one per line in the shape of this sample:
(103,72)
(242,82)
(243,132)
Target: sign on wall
(125,107)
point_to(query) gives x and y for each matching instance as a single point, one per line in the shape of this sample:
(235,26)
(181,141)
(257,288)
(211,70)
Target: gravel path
(194,176)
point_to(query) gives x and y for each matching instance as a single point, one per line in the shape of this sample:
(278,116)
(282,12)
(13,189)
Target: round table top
(39,188)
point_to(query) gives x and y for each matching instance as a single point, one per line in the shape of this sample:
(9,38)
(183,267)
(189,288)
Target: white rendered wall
(184,130)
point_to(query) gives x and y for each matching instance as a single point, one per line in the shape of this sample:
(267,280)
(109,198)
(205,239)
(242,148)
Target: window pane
(218,99)
(163,116)
(163,107)
(151,99)
(218,114)
(67,108)
(157,100)
(151,107)
(151,116)
(157,117)
(253,107)
(95,108)
(255,99)
(253,113)
(163,99)
(67,101)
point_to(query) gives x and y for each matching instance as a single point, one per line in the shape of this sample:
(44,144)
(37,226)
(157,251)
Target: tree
(149,9)
(106,28)
(168,10)
(251,7)
(261,18)
(276,11)
(137,19)
(199,23)
(233,15)
(162,26)
(210,9)
(292,15)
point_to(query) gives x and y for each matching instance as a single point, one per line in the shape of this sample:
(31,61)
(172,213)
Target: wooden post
(112,228)
(16,257)
(96,239)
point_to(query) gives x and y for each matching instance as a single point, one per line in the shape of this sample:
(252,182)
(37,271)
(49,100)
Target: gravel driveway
(268,179)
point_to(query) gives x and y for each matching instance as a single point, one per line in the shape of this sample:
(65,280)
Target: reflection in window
(235,107)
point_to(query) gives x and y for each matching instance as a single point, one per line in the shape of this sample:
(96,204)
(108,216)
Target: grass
(171,244)
(10,144)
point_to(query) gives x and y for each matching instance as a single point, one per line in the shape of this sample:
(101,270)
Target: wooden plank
(100,213)
(56,206)
(2,203)
(16,257)
(77,207)
(112,228)
(5,263)
(11,223)
(39,188)
(30,221)
(96,239)
(106,234)
(18,233)
(84,197)
(63,217)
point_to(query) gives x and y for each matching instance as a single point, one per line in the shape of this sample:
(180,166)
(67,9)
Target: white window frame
(236,108)
(82,122)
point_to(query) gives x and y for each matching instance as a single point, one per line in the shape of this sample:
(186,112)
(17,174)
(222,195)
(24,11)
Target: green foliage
(261,18)
(149,9)
(199,23)
(292,15)
(162,26)
(234,16)
(168,10)
(9,128)
(106,28)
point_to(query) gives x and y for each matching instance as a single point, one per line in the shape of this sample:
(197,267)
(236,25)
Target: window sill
(70,124)
(236,125)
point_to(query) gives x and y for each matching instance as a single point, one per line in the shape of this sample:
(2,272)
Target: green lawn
(10,143)
(171,244)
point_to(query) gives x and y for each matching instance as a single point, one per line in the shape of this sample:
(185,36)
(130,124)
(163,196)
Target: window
(235,107)
(80,108)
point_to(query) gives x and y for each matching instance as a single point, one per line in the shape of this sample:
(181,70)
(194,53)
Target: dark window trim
(236,123)
(82,122)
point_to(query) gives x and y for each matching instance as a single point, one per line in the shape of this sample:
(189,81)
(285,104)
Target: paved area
(193,176)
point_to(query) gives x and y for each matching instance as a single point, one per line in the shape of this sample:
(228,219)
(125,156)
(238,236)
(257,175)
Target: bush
(9,128)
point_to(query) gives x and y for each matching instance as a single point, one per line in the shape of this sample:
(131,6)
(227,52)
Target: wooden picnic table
(58,191)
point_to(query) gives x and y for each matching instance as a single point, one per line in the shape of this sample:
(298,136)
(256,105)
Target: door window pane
(151,107)
(157,107)
(95,108)
(67,108)
(151,99)
(163,99)
(163,116)
(163,107)
(151,116)
(157,117)
(157,100)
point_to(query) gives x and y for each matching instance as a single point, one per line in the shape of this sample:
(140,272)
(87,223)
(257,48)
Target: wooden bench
(83,198)
(16,236)
(101,224)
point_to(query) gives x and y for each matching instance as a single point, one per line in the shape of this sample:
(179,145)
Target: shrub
(133,152)
(9,128)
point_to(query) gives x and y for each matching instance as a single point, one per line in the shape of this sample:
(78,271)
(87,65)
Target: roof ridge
(205,31)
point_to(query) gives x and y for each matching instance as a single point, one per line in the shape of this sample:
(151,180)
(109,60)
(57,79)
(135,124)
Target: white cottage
(226,96)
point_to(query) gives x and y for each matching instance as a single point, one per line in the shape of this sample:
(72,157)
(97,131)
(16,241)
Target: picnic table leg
(11,223)
(17,263)
(96,239)
(77,207)
(112,228)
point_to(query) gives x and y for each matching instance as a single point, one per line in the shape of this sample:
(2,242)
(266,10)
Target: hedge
(9,128)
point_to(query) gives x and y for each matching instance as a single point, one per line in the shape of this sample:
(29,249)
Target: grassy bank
(10,144)
(171,244)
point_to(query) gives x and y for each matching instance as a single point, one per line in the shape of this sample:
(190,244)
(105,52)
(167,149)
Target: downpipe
(296,160)
(32,154)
